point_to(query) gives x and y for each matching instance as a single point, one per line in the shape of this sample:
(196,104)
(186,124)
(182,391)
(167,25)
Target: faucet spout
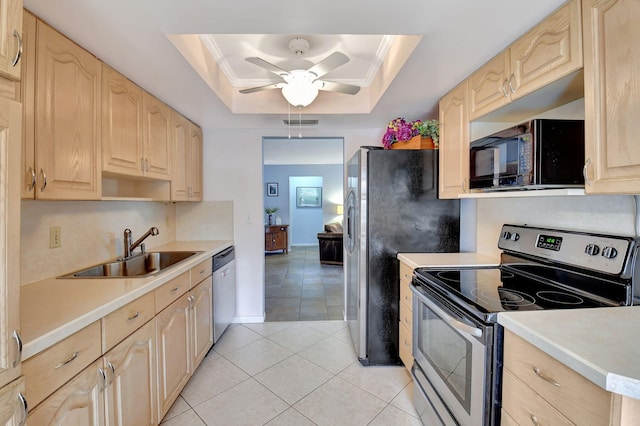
(129,247)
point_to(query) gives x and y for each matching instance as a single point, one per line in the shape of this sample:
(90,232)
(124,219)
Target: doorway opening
(303,180)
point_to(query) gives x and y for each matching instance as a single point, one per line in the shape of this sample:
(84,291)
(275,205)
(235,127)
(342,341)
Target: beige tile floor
(292,373)
(299,288)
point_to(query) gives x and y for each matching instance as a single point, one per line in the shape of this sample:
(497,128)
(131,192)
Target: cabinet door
(10,138)
(489,86)
(551,50)
(454,143)
(180,141)
(121,124)
(11,31)
(195,163)
(157,137)
(27,97)
(202,318)
(79,402)
(131,367)
(612,96)
(172,339)
(13,408)
(68,103)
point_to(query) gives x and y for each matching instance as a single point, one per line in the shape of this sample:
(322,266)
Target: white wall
(609,214)
(233,171)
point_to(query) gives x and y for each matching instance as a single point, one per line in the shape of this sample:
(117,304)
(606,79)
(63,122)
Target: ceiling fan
(299,86)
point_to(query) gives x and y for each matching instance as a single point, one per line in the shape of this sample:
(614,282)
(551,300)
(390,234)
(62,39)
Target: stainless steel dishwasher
(224,291)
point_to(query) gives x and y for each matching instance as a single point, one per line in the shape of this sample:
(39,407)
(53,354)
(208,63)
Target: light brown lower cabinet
(172,331)
(136,378)
(13,410)
(131,376)
(79,402)
(538,389)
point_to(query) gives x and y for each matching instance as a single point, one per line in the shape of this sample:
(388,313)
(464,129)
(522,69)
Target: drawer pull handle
(113,371)
(16,58)
(25,408)
(173,290)
(545,377)
(534,420)
(134,316)
(202,272)
(71,359)
(16,337)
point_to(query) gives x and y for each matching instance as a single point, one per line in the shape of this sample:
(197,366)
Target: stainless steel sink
(140,265)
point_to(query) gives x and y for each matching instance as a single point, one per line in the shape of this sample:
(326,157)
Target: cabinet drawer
(171,290)
(201,271)
(53,367)
(406,315)
(406,273)
(406,296)
(525,407)
(405,344)
(121,323)
(580,400)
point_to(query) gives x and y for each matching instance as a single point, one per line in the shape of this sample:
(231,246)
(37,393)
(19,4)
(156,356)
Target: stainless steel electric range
(457,342)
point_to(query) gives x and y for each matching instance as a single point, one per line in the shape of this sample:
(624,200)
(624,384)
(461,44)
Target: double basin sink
(140,265)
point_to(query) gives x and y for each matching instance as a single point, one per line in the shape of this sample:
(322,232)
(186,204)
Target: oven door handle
(446,316)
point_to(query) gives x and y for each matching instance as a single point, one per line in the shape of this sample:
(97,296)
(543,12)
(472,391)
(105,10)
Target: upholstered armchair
(330,244)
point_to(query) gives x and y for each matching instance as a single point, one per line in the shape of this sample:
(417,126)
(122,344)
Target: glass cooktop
(492,290)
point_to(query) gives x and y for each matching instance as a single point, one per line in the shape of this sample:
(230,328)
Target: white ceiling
(139,38)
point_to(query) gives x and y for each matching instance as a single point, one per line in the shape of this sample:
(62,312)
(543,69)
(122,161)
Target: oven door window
(453,359)
(449,354)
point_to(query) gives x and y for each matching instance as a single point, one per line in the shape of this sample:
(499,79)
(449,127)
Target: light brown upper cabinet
(454,143)
(135,129)
(28,98)
(67,118)
(186,182)
(156,136)
(11,47)
(121,124)
(549,51)
(612,96)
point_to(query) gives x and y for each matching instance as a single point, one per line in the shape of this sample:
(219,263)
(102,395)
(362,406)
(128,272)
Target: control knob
(510,236)
(592,249)
(609,252)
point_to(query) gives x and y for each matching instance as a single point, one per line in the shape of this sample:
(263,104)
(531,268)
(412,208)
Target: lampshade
(299,90)
(339,209)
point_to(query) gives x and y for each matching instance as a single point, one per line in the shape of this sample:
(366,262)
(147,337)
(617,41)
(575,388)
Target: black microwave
(537,154)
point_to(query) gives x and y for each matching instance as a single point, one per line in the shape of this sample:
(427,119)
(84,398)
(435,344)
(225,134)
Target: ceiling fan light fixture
(299,90)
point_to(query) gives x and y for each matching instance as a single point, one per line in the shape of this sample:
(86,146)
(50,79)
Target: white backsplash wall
(92,232)
(609,214)
(208,220)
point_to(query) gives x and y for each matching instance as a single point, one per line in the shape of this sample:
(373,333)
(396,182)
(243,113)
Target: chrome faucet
(129,248)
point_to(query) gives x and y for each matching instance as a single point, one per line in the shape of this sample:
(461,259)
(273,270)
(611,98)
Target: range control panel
(603,253)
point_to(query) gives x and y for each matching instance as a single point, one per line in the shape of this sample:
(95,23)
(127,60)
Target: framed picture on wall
(308,197)
(272,189)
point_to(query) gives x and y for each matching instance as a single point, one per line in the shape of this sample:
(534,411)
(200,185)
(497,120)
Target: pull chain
(289,119)
(300,122)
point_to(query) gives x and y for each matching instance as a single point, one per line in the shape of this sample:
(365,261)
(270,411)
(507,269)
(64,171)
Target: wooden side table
(276,237)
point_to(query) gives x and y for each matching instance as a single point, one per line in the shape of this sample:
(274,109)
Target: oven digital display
(549,242)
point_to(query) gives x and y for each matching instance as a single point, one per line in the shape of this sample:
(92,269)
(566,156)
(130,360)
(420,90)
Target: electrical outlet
(55,237)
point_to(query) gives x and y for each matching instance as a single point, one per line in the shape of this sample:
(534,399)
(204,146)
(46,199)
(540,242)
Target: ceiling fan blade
(267,66)
(329,63)
(348,89)
(261,88)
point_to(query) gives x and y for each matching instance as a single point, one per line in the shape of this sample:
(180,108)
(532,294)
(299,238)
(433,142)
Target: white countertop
(599,343)
(53,309)
(447,260)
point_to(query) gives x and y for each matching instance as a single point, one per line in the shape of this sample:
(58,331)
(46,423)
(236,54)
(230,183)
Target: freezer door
(355,240)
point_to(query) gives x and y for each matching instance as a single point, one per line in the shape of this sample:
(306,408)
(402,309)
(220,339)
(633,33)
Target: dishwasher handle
(222,258)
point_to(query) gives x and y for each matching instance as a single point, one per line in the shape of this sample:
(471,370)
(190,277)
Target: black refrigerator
(392,207)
